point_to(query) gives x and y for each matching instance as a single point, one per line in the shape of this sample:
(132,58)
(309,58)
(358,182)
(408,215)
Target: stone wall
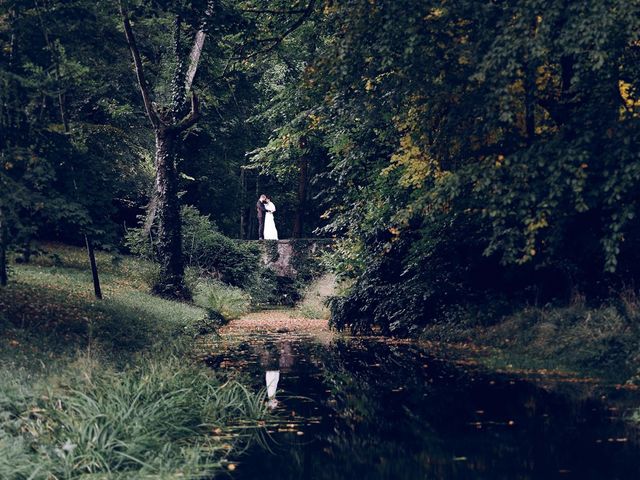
(294,257)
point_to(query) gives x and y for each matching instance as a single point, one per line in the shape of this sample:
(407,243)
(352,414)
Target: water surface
(374,409)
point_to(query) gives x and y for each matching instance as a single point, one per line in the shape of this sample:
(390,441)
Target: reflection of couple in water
(274,362)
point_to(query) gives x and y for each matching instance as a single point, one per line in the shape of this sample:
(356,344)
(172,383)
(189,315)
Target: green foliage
(271,289)
(478,153)
(271,250)
(65,169)
(220,299)
(446,143)
(205,249)
(306,260)
(215,254)
(215,259)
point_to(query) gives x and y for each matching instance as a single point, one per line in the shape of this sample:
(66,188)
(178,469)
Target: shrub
(272,289)
(206,250)
(220,299)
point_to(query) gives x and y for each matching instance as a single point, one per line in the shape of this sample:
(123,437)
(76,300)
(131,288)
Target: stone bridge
(293,257)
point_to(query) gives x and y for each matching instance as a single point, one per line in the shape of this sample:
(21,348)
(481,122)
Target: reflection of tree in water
(390,417)
(372,437)
(362,438)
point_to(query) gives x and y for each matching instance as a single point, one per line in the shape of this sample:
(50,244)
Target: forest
(473,165)
(466,161)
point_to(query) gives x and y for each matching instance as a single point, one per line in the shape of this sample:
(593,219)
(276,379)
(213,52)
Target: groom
(261,210)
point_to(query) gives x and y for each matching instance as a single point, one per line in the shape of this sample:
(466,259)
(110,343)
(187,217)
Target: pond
(370,408)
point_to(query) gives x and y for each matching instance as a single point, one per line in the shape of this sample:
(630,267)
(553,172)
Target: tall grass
(218,298)
(601,340)
(314,301)
(161,419)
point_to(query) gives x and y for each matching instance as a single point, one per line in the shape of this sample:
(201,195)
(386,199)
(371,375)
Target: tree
(476,151)
(293,156)
(56,61)
(169,123)
(30,150)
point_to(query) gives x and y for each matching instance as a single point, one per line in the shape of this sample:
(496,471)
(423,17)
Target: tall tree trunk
(298,222)
(3,254)
(169,240)
(168,126)
(243,201)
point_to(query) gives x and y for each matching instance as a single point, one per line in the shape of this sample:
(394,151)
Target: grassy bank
(108,389)
(600,341)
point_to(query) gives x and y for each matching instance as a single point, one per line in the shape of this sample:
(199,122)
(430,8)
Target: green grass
(156,420)
(109,389)
(314,301)
(46,302)
(218,298)
(600,341)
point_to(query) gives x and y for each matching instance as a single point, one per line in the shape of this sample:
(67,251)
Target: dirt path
(277,321)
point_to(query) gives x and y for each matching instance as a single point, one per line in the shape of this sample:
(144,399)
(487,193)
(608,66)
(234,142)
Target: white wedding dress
(272,377)
(270,231)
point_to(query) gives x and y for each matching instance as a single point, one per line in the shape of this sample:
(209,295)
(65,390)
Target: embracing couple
(266,222)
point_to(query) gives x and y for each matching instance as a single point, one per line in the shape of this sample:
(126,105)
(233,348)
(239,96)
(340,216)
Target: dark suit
(260,210)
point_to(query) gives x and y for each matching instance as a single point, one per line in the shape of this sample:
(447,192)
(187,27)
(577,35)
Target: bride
(270,231)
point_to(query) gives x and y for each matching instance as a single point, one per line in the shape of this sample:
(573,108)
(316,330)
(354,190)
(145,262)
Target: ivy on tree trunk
(169,240)
(168,126)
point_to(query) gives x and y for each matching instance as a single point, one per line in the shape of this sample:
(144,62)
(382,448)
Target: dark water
(370,409)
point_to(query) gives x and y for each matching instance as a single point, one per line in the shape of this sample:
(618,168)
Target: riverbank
(591,342)
(109,387)
(574,342)
(119,385)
